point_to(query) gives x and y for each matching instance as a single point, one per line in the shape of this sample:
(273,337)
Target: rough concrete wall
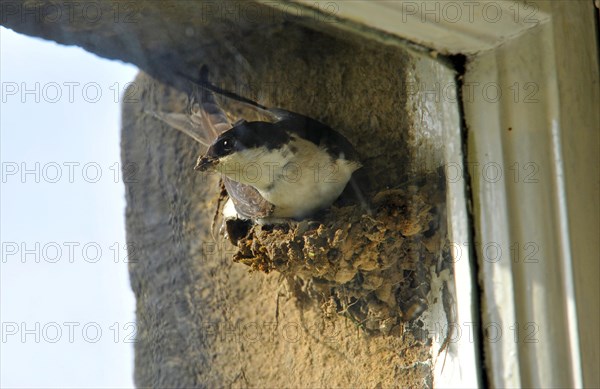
(202,319)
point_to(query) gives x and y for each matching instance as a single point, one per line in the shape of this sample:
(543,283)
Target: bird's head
(220,150)
(239,151)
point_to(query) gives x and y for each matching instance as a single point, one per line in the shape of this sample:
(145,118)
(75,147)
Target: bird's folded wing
(248,202)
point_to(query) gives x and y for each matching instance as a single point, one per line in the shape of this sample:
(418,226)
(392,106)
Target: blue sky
(66,308)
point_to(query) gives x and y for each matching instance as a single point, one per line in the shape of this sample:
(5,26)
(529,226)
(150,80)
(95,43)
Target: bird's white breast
(298,179)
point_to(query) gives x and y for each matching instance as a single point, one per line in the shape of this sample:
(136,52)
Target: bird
(286,166)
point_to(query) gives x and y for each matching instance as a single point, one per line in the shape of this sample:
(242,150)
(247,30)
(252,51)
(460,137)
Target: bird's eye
(226,146)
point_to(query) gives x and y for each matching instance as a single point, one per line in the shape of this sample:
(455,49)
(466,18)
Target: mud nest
(373,267)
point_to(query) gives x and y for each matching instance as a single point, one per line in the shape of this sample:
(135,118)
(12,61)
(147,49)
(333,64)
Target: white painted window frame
(541,318)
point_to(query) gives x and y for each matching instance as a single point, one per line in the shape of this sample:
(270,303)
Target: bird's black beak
(206,163)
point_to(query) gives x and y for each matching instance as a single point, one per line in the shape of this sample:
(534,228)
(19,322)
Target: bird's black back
(320,134)
(275,135)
